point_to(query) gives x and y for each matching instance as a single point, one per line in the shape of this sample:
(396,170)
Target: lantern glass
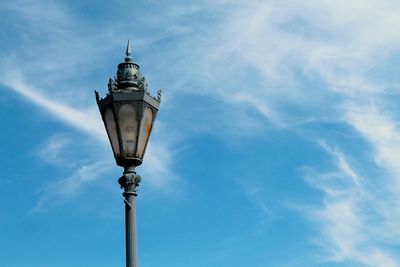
(128,124)
(145,130)
(112,131)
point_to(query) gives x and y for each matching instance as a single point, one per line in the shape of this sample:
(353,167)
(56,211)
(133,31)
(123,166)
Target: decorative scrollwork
(158,98)
(112,85)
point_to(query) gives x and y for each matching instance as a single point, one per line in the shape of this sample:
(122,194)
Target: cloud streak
(353,224)
(85,120)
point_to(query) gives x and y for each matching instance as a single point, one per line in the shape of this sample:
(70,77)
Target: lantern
(128,112)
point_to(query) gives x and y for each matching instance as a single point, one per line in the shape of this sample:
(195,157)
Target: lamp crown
(129,77)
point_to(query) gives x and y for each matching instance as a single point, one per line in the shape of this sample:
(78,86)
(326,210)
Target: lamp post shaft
(130,181)
(130,230)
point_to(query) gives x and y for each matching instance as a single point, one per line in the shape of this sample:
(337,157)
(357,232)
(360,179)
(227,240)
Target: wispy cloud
(353,223)
(317,58)
(66,189)
(85,120)
(54,149)
(308,55)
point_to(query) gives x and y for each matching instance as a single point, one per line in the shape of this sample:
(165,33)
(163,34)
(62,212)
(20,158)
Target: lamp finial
(128,52)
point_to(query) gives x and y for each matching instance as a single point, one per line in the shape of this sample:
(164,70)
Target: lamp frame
(139,100)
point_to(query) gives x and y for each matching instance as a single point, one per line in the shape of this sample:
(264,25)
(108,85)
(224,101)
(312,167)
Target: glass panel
(128,124)
(112,131)
(145,129)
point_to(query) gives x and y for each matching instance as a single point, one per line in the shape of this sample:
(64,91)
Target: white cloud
(68,188)
(287,43)
(55,149)
(384,136)
(353,225)
(85,120)
(381,131)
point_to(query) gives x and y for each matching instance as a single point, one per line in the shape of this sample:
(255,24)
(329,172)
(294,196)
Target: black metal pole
(130,181)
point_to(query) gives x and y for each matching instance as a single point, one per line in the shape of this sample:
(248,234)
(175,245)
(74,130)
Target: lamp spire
(128,52)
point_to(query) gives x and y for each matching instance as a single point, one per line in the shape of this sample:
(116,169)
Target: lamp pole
(128,112)
(129,181)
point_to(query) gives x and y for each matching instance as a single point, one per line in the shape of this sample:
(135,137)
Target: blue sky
(277,142)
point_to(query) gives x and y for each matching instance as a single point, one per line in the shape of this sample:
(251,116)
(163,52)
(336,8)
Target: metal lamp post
(128,112)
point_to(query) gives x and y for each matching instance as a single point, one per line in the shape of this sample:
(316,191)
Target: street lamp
(128,112)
